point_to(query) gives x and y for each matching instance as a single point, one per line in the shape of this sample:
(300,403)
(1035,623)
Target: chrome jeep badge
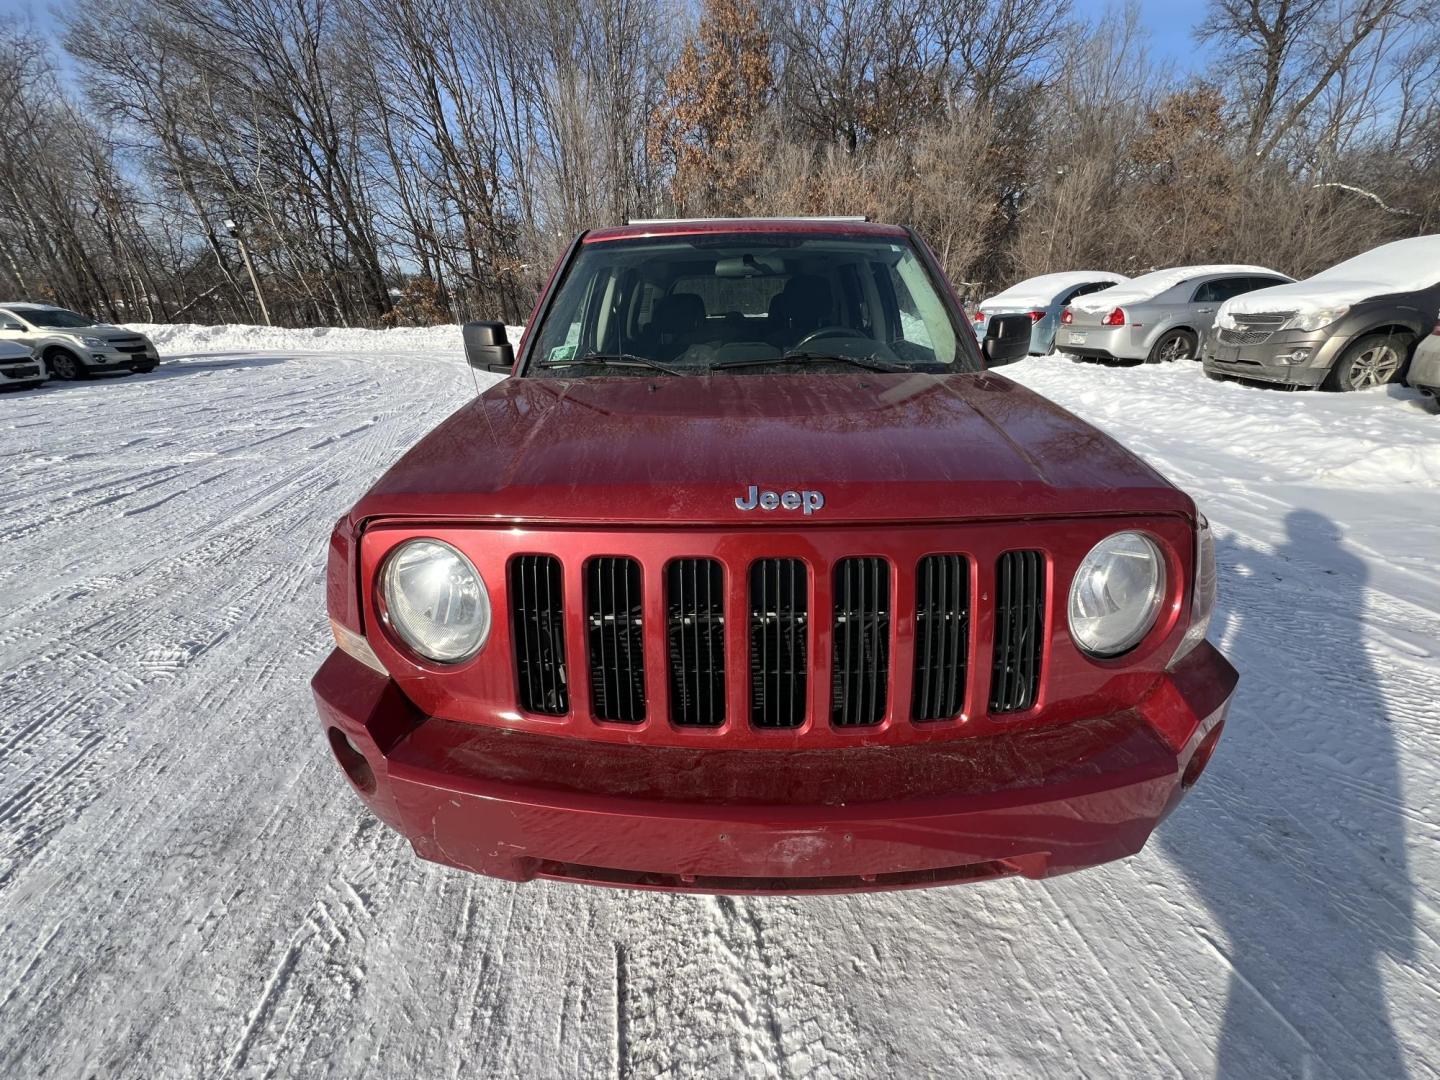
(806,500)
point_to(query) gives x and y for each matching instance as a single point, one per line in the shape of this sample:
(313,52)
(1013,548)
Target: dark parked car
(752,578)
(1347,328)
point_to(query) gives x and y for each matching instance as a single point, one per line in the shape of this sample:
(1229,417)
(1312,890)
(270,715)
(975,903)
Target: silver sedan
(1158,316)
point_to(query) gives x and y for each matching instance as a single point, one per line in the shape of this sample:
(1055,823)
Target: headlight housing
(1116,594)
(1314,320)
(1225,320)
(94,342)
(435,601)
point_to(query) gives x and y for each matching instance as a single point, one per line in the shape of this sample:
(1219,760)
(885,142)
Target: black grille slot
(695,637)
(942,636)
(1019,630)
(537,616)
(860,672)
(779,623)
(617,645)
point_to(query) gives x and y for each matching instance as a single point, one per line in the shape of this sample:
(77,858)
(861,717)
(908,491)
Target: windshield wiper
(869,363)
(622,359)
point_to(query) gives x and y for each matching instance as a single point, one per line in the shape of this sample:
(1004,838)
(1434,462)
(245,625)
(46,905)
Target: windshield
(57,318)
(747,302)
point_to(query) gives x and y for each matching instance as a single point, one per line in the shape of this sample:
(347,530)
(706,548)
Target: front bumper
(1260,363)
(120,359)
(1424,371)
(22,373)
(518,806)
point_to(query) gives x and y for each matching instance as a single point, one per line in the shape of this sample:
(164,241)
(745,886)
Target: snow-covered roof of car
(27,305)
(1044,288)
(1399,267)
(1148,286)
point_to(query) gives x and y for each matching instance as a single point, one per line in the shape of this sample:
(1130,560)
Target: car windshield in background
(56,318)
(747,303)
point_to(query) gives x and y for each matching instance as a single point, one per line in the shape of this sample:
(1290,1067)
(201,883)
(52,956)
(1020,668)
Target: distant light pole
(233,227)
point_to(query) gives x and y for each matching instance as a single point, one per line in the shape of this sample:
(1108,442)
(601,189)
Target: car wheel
(65,365)
(1174,345)
(1374,360)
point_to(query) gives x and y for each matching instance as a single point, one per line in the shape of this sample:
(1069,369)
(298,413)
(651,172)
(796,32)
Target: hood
(682,451)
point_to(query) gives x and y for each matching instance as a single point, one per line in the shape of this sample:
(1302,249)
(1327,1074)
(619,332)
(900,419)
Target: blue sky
(1169,24)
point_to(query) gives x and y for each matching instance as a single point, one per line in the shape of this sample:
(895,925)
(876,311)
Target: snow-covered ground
(188,889)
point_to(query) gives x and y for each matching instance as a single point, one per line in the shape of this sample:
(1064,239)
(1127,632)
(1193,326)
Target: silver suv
(1162,315)
(74,345)
(1347,328)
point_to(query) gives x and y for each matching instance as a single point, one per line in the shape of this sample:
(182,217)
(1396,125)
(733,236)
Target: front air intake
(537,614)
(614,627)
(860,669)
(1019,630)
(695,641)
(942,636)
(779,623)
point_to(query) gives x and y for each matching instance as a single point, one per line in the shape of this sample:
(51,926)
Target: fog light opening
(1203,753)
(352,761)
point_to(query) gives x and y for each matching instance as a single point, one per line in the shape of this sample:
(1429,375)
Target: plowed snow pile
(188,889)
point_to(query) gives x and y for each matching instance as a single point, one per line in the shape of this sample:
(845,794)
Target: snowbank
(1399,267)
(1042,290)
(1148,286)
(180,339)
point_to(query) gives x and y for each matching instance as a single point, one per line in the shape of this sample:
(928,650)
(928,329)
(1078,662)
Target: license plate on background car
(1073,338)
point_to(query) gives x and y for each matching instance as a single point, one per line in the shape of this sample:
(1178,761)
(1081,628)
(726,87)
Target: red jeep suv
(752,578)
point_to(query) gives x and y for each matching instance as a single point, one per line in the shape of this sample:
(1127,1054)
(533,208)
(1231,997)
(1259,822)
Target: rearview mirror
(487,348)
(1007,339)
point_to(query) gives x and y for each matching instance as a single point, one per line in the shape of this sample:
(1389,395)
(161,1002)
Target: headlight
(1116,594)
(435,601)
(1225,320)
(1314,320)
(94,342)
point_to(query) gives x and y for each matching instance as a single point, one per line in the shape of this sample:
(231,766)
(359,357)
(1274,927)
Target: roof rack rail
(782,217)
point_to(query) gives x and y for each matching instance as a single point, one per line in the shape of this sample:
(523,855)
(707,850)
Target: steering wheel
(822,332)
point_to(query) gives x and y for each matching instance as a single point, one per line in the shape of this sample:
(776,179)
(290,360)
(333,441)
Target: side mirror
(487,348)
(1007,339)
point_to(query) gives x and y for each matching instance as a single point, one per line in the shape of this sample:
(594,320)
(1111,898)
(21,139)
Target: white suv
(74,345)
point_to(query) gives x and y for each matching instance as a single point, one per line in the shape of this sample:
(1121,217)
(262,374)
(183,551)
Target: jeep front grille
(537,617)
(695,641)
(1019,630)
(860,635)
(942,636)
(779,651)
(779,643)
(615,626)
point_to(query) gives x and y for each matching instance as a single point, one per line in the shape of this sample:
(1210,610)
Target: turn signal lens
(355,646)
(1202,602)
